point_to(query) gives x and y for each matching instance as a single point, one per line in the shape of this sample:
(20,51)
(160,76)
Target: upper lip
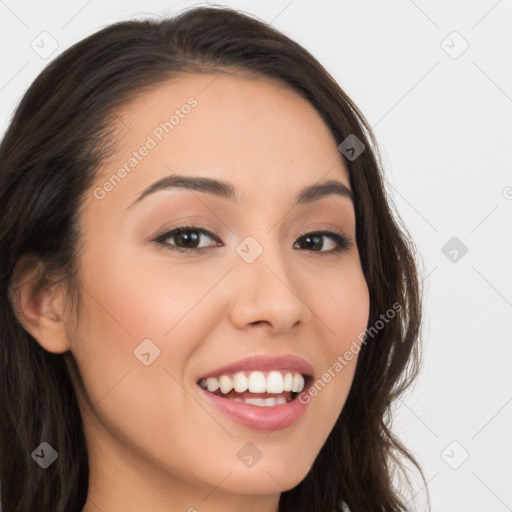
(264,363)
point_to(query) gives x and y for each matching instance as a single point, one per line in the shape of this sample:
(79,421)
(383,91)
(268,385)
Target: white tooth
(281,400)
(226,384)
(270,402)
(257,382)
(298,383)
(288,382)
(212,383)
(302,383)
(274,382)
(260,402)
(239,400)
(240,382)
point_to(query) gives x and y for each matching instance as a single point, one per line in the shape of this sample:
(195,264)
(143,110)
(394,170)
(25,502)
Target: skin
(154,443)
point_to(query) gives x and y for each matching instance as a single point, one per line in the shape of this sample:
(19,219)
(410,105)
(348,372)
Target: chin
(269,475)
(263,481)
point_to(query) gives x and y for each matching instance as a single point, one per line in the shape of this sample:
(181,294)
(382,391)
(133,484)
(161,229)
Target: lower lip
(277,417)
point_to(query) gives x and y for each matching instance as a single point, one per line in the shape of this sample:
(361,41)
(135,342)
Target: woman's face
(157,316)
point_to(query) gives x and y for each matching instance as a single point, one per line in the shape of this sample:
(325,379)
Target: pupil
(188,238)
(314,241)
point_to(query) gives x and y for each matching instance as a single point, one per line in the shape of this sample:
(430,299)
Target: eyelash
(342,241)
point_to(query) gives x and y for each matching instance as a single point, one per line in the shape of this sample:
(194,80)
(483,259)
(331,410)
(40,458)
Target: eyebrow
(226,190)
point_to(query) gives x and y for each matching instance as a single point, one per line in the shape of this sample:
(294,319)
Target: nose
(267,292)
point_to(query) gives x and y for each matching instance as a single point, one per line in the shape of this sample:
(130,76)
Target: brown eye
(187,238)
(315,242)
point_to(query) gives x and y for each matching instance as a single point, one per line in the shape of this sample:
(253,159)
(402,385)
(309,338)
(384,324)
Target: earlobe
(38,305)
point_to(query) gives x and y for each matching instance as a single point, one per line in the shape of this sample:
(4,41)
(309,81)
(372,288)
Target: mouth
(257,387)
(261,392)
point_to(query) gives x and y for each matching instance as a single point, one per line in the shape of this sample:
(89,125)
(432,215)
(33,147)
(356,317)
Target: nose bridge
(266,289)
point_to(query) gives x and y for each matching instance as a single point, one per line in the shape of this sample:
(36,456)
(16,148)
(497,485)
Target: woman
(206,301)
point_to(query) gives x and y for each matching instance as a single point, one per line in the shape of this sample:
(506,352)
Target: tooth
(298,383)
(257,382)
(226,384)
(270,402)
(288,382)
(281,400)
(212,383)
(239,400)
(240,382)
(274,382)
(302,383)
(261,402)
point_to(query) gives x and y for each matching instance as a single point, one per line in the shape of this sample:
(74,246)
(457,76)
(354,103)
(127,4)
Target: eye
(315,241)
(187,239)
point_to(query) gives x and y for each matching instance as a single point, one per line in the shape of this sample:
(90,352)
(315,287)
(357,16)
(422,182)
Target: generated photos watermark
(349,354)
(152,140)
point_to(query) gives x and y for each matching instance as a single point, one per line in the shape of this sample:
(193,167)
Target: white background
(444,124)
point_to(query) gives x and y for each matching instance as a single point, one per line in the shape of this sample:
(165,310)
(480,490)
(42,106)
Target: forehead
(255,132)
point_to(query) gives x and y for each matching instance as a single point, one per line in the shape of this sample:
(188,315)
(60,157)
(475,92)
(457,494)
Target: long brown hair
(55,144)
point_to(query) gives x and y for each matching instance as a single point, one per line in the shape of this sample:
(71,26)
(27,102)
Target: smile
(255,387)
(256,393)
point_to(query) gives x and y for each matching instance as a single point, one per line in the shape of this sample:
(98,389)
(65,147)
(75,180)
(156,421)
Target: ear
(39,304)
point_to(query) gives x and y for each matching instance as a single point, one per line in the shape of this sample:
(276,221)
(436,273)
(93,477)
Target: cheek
(145,299)
(128,312)
(344,311)
(132,308)
(343,305)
